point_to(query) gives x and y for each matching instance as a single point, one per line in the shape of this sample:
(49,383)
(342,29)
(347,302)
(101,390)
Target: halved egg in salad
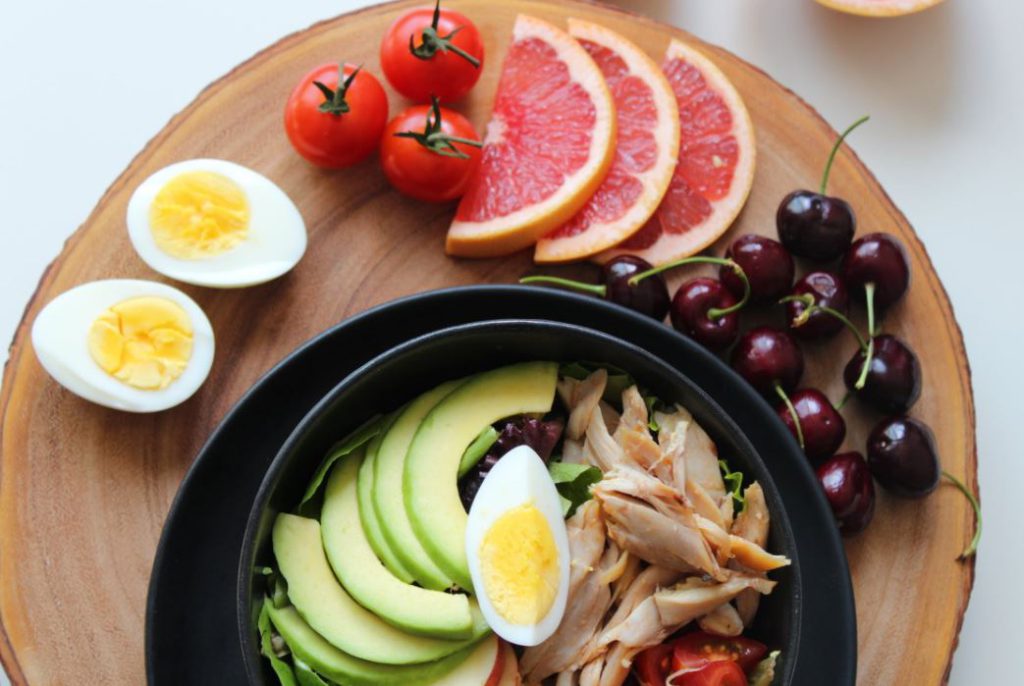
(215,223)
(518,549)
(127,344)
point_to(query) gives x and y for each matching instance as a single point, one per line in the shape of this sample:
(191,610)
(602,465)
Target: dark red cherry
(902,456)
(649,296)
(893,381)
(815,226)
(828,290)
(691,308)
(879,259)
(768,267)
(850,491)
(767,357)
(822,427)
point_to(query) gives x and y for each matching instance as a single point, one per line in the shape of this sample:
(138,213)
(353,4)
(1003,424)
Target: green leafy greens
(573,482)
(281,667)
(734,483)
(346,446)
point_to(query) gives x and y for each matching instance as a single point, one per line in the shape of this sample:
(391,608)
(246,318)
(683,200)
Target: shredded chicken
(649,519)
(658,547)
(581,398)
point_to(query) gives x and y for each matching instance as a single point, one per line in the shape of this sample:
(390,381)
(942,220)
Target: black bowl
(400,374)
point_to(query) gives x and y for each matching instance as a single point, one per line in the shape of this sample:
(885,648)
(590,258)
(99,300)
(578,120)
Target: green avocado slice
(372,524)
(331,612)
(388,501)
(430,485)
(312,649)
(417,610)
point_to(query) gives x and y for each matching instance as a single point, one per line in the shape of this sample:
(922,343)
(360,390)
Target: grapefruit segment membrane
(647,143)
(715,168)
(548,146)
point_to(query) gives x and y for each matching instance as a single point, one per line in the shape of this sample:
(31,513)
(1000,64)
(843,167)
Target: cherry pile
(883,374)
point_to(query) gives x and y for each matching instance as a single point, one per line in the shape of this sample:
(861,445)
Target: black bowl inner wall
(396,377)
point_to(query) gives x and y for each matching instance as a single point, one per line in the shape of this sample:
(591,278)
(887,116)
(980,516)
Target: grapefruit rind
(671,247)
(520,229)
(879,8)
(655,180)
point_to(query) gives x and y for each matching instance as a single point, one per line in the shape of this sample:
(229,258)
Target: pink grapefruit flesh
(647,142)
(715,169)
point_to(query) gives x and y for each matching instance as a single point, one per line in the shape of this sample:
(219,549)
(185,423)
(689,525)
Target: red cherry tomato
(653,665)
(424,154)
(700,648)
(722,673)
(432,51)
(336,127)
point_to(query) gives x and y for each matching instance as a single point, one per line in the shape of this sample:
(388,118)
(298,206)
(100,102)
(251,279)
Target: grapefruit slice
(716,163)
(879,8)
(548,145)
(647,143)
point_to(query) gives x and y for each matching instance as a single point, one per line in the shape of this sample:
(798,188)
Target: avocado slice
(388,501)
(414,609)
(331,612)
(430,485)
(312,649)
(372,525)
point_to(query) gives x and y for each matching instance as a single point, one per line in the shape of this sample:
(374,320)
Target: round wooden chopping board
(84,490)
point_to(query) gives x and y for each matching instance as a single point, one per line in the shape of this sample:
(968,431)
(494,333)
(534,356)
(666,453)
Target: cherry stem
(714,313)
(869,353)
(810,307)
(781,392)
(842,403)
(835,149)
(972,547)
(596,289)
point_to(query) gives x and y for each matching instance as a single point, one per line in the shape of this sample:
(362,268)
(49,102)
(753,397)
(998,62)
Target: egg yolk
(519,565)
(199,214)
(145,342)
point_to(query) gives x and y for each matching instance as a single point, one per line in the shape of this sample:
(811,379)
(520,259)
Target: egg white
(60,339)
(518,478)
(275,243)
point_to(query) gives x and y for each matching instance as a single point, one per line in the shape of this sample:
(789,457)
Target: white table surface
(84,85)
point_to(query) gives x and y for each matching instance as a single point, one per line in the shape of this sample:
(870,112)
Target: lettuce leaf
(281,667)
(573,482)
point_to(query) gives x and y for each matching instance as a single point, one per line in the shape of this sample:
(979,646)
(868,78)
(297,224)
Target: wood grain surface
(84,490)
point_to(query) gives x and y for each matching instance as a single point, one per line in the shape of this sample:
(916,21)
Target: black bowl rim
(310,421)
(831,545)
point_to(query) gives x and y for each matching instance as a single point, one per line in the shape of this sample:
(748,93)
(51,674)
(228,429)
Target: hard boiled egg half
(518,549)
(215,223)
(138,346)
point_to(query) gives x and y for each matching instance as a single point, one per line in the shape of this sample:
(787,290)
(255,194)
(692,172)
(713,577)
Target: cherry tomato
(721,673)
(334,126)
(653,665)
(432,52)
(426,152)
(700,648)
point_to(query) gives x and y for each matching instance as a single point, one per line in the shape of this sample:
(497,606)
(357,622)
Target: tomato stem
(334,99)
(835,149)
(434,138)
(431,41)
